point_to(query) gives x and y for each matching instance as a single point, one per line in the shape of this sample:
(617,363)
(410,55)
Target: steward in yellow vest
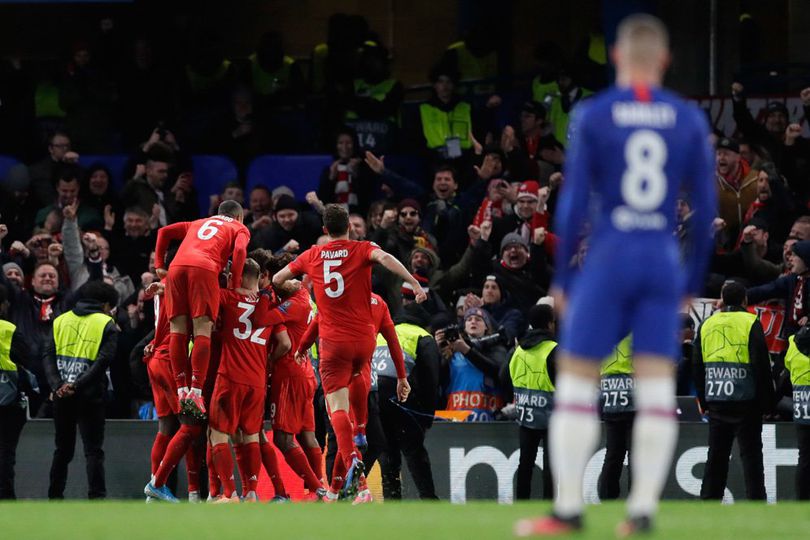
(732,375)
(13,403)
(797,367)
(616,403)
(76,360)
(532,371)
(404,424)
(446,122)
(275,78)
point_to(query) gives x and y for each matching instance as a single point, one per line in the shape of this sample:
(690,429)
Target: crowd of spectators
(477,231)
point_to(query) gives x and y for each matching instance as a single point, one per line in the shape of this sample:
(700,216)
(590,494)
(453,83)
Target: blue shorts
(626,287)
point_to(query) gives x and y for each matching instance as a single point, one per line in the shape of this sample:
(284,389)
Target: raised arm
(175,231)
(239,256)
(393,265)
(309,337)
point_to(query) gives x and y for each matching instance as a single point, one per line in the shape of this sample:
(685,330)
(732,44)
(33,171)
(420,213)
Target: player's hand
(737,89)
(161,272)
(292,246)
(300,358)
(420,293)
(792,132)
(148,350)
(403,389)
(805,96)
(376,164)
(155,289)
(250,294)
(560,300)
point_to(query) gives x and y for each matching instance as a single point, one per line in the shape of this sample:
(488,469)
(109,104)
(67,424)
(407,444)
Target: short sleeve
(299,265)
(371,247)
(279,328)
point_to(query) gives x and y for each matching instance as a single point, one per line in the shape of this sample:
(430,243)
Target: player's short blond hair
(643,38)
(251,269)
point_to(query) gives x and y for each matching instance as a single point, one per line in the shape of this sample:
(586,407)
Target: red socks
(270,463)
(252,458)
(159,450)
(223,462)
(358,400)
(178,355)
(315,458)
(297,460)
(214,485)
(174,452)
(241,464)
(344,433)
(193,464)
(338,472)
(200,356)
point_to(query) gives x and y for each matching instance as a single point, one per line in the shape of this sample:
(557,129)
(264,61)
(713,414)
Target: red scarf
(45,308)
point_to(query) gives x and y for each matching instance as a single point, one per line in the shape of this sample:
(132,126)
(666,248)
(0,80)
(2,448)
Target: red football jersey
(297,312)
(341,276)
(379,313)
(206,243)
(243,358)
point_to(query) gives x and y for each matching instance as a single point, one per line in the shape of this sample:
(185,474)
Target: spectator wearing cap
(14,274)
(473,358)
(529,214)
(521,269)
(773,204)
(447,214)
(501,308)
(737,189)
(792,288)
(292,230)
(400,237)
(424,266)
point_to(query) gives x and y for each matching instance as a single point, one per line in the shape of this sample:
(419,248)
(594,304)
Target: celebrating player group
(229,324)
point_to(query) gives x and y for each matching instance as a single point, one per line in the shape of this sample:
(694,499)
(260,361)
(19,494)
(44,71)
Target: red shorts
(236,406)
(341,360)
(163,391)
(192,292)
(291,407)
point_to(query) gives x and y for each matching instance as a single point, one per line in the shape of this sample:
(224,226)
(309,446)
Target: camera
(450,333)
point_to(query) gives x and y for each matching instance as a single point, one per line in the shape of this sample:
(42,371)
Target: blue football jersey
(633,152)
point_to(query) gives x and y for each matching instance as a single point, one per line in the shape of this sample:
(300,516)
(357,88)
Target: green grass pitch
(408,520)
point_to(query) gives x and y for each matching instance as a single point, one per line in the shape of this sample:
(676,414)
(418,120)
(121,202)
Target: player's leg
(309,442)
(167,427)
(655,434)
(200,357)
(194,457)
(291,404)
(358,397)
(252,463)
(270,463)
(749,440)
(223,463)
(214,484)
(178,353)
